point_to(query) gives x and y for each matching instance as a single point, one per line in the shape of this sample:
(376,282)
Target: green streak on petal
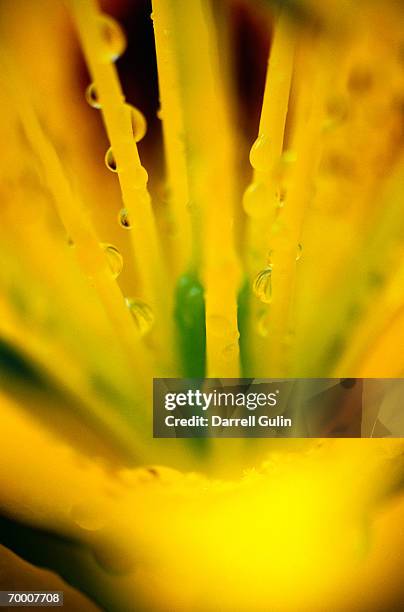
(190,323)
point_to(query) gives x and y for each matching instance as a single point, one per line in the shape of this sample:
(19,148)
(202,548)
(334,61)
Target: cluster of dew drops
(115,45)
(255,202)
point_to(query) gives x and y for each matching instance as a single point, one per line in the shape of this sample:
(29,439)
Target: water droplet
(257,200)
(110,161)
(142,314)
(114,258)
(87,517)
(262,324)
(140,177)
(70,242)
(260,153)
(92,96)
(299,252)
(113,37)
(139,124)
(123,219)
(262,285)
(280,197)
(152,16)
(159,114)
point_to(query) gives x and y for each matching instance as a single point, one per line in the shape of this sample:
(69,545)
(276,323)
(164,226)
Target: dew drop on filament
(139,124)
(257,200)
(123,219)
(114,258)
(92,96)
(110,161)
(113,37)
(262,285)
(260,153)
(142,314)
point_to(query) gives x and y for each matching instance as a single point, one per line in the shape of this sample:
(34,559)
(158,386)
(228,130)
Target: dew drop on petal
(114,258)
(257,200)
(139,124)
(92,96)
(262,285)
(260,153)
(141,313)
(113,37)
(299,252)
(123,219)
(110,161)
